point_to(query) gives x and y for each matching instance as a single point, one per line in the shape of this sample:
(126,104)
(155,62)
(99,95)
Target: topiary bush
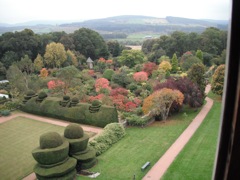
(50,140)
(78,141)
(79,114)
(42,95)
(30,93)
(66,98)
(53,156)
(73,131)
(112,133)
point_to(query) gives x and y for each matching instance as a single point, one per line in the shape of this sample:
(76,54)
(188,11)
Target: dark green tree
(90,43)
(174,63)
(196,75)
(218,80)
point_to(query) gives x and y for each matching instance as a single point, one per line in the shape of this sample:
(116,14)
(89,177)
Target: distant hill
(125,24)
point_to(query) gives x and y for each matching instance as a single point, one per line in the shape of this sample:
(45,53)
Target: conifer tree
(174,62)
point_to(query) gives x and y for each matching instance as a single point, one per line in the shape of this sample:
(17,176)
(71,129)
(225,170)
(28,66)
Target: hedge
(111,134)
(78,114)
(51,156)
(56,171)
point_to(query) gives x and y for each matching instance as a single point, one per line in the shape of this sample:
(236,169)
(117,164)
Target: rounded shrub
(73,131)
(96,103)
(78,145)
(66,98)
(51,156)
(42,95)
(5,112)
(50,140)
(75,99)
(30,93)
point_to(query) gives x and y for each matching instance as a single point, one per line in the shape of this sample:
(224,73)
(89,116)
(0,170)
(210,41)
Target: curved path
(157,171)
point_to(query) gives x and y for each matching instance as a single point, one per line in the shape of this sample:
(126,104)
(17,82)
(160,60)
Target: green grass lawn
(19,137)
(196,160)
(125,159)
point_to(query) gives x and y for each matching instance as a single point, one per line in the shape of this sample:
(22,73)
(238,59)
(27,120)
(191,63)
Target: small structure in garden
(53,161)
(79,149)
(90,63)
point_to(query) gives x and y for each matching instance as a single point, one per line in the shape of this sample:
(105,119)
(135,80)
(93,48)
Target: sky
(19,11)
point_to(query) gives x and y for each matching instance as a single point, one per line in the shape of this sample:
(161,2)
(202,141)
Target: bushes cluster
(79,114)
(134,120)
(111,134)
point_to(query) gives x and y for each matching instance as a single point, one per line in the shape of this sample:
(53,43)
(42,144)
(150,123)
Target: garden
(154,92)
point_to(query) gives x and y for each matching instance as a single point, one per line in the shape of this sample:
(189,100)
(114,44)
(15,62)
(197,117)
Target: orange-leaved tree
(160,102)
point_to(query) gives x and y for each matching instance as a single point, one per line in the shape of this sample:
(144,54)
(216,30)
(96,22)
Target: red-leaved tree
(149,67)
(140,76)
(102,83)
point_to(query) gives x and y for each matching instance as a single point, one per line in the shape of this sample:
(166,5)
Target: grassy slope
(125,159)
(196,160)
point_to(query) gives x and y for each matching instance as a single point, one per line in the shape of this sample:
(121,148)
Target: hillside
(124,24)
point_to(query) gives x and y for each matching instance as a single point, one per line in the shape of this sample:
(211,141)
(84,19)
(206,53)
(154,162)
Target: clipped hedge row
(111,134)
(78,114)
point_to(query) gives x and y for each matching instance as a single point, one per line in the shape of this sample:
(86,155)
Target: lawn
(196,160)
(125,159)
(19,137)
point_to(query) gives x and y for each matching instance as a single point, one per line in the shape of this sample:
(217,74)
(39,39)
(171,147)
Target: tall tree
(218,80)
(199,55)
(174,63)
(196,75)
(26,65)
(90,43)
(131,57)
(38,63)
(66,75)
(55,55)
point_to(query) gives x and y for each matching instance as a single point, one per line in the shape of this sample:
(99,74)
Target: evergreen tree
(199,54)
(174,63)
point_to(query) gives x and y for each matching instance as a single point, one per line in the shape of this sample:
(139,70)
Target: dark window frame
(227,163)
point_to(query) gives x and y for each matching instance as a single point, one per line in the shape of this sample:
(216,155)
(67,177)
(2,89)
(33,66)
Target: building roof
(89,60)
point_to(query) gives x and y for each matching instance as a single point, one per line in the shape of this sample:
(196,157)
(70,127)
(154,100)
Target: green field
(196,160)
(125,159)
(19,137)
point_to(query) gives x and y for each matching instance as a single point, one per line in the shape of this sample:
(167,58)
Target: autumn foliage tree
(218,80)
(149,67)
(43,73)
(140,76)
(55,55)
(165,65)
(102,83)
(160,102)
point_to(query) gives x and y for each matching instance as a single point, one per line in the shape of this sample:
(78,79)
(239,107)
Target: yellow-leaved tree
(165,65)
(55,55)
